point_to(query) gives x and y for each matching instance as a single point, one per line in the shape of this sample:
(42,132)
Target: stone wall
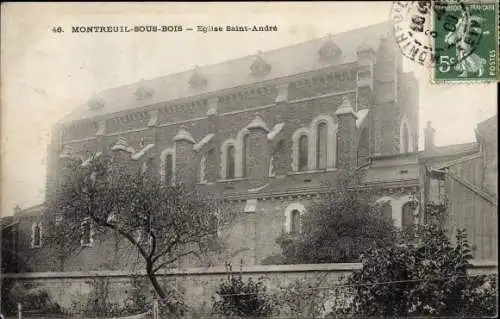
(198,285)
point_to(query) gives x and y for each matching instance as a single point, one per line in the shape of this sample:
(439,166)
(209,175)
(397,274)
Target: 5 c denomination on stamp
(471,45)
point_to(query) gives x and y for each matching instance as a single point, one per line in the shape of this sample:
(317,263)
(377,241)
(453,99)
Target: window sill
(332,169)
(237,179)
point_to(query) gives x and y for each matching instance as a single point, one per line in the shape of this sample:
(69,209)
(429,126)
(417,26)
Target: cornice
(192,102)
(316,192)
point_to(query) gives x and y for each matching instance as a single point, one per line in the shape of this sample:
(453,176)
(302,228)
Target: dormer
(95,104)
(143,93)
(329,50)
(259,66)
(197,81)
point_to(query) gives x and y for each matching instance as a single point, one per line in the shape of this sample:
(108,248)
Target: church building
(266,132)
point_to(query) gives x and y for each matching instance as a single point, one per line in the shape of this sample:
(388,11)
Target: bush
(244,299)
(302,298)
(173,306)
(34,299)
(424,276)
(338,228)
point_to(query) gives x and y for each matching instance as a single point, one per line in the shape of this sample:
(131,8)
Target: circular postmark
(424,30)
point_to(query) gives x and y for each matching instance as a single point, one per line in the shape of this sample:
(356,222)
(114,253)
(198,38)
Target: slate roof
(36,210)
(451,150)
(295,59)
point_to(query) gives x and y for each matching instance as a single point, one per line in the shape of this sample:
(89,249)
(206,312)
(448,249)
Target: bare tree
(162,223)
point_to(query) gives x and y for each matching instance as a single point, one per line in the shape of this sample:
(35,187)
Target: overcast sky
(45,75)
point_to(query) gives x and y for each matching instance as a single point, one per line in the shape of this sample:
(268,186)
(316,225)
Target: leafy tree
(424,275)
(162,223)
(339,227)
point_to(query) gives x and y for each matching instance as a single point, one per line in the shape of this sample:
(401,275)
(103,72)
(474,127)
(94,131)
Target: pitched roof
(295,59)
(451,150)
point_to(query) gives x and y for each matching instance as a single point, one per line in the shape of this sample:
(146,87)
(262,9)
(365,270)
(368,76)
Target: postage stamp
(456,40)
(470,43)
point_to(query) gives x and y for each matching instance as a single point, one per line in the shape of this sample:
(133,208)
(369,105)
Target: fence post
(19,311)
(155,309)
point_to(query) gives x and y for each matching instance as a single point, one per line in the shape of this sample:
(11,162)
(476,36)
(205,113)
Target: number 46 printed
(445,63)
(57,29)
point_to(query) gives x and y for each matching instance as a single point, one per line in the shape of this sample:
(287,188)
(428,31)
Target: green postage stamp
(457,40)
(470,43)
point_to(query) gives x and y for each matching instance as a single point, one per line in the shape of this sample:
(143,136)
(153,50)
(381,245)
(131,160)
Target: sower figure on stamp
(469,62)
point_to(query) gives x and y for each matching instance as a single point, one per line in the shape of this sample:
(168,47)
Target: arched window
(405,137)
(86,228)
(201,170)
(303,153)
(321,146)
(36,240)
(363,147)
(169,169)
(230,164)
(295,222)
(244,155)
(408,217)
(293,218)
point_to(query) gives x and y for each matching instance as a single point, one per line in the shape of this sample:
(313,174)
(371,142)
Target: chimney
(429,136)
(17,210)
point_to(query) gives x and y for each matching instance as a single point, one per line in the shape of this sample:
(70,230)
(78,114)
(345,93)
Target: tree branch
(173,260)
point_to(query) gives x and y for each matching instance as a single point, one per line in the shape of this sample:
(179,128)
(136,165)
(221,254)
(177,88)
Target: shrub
(302,298)
(242,298)
(173,306)
(338,228)
(32,298)
(424,276)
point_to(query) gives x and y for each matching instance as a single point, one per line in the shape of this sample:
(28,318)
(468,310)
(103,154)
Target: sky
(46,75)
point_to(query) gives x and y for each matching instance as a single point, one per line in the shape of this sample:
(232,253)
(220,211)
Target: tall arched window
(321,146)
(405,136)
(295,222)
(201,170)
(230,167)
(303,153)
(408,218)
(36,240)
(244,155)
(363,147)
(169,169)
(86,228)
